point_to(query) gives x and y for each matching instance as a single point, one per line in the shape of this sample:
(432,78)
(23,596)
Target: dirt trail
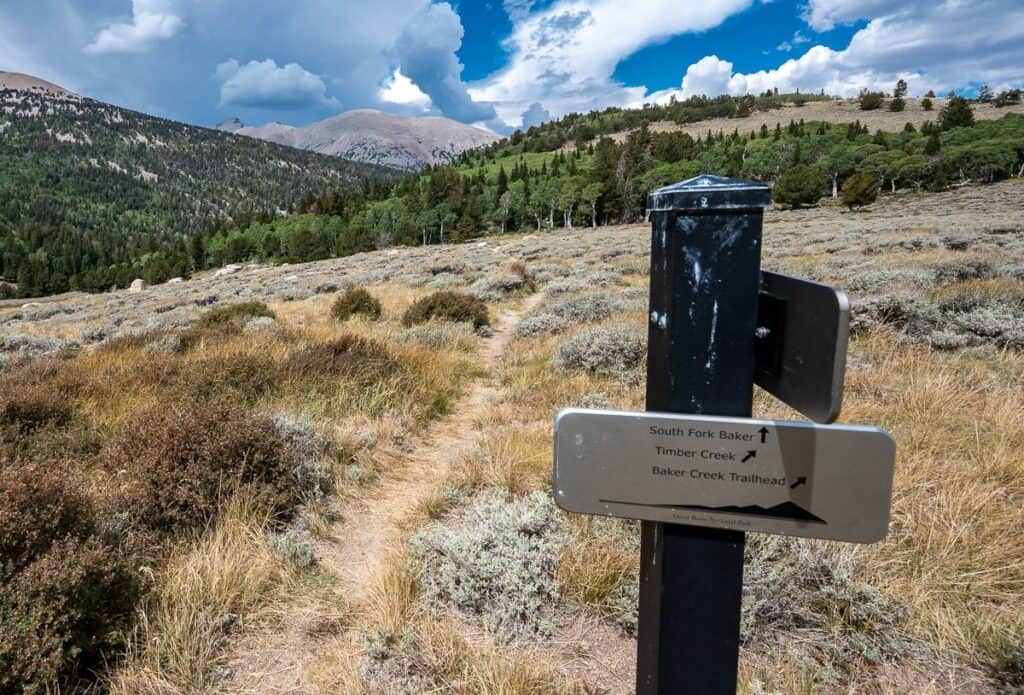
(360,542)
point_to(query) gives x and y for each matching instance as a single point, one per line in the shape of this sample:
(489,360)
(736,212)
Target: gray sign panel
(769,476)
(802,359)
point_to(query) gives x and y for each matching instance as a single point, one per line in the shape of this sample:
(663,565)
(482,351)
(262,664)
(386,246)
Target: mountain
(231,125)
(26,83)
(85,185)
(366,135)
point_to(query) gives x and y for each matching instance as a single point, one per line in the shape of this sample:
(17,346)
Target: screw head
(762,332)
(663,322)
(654,317)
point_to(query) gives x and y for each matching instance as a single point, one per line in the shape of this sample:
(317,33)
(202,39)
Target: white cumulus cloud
(152,21)
(933,46)
(399,89)
(564,56)
(262,84)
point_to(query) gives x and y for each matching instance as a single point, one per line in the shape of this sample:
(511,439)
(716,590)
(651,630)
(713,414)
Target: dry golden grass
(955,552)
(513,459)
(204,592)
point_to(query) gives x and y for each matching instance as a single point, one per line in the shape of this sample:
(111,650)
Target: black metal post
(705,268)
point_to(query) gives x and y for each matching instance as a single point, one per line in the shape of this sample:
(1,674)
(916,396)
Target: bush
(869,101)
(355,301)
(350,356)
(499,563)
(180,461)
(29,407)
(956,114)
(63,592)
(448,306)
(234,315)
(800,185)
(859,190)
(611,352)
(927,104)
(897,104)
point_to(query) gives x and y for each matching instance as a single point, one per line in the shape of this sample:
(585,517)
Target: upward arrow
(764,433)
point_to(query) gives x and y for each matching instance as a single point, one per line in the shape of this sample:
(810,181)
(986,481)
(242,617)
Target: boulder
(174,281)
(228,270)
(138,284)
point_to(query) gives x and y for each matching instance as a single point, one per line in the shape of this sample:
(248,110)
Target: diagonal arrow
(802,480)
(750,454)
(764,433)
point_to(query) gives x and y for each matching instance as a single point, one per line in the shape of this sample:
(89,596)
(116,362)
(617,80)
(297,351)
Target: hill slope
(366,135)
(93,185)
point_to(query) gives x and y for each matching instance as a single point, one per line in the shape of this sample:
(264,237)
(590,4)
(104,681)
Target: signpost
(696,469)
(792,478)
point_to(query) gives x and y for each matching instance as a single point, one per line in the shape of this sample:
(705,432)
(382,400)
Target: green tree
(901,89)
(897,104)
(927,104)
(799,186)
(956,114)
(870,101)
(859,190)
(590,195)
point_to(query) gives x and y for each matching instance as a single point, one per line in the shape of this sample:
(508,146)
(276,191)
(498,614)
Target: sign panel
(801,360)
(768,476)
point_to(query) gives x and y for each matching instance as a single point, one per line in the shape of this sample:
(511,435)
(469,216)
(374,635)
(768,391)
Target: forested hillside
(92,195)
(513,186)
(576,171)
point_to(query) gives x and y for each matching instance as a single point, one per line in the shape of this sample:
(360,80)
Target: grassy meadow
(269,482)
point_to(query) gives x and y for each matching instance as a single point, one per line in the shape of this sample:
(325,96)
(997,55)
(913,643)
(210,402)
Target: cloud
(427,50)
(823,15)
(262,84)
(399,89)
(564,56)
(152,21)
(932,47)
(518,9)
(535,115)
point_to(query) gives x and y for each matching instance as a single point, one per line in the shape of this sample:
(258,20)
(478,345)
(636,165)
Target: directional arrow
(764,433)
(750,454)
(802,480)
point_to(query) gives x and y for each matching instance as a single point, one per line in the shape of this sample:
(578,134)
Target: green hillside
(88,189)
(511,185)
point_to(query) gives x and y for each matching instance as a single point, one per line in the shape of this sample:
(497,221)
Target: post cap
(707,192)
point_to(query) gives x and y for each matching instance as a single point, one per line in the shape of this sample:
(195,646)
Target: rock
(138,284)
(174,281)
(227,270)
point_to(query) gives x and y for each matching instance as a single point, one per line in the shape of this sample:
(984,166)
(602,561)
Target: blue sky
(500,64)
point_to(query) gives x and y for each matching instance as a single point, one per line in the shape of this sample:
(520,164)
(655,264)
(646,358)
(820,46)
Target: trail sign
(801,350)
(699,481)
(790,478)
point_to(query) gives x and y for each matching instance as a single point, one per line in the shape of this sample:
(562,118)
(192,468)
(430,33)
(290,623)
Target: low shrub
(498,564)
(437,336)
(617,352)
(448,306)
(234,315)
(351,356)
(859,190)
(243,377)
(791,585)
(29,407)
(64,593)
(355,301)
(180,462)
(584,309)
(965,296)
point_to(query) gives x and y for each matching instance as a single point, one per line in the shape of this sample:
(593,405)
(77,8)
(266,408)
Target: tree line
(604,181)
